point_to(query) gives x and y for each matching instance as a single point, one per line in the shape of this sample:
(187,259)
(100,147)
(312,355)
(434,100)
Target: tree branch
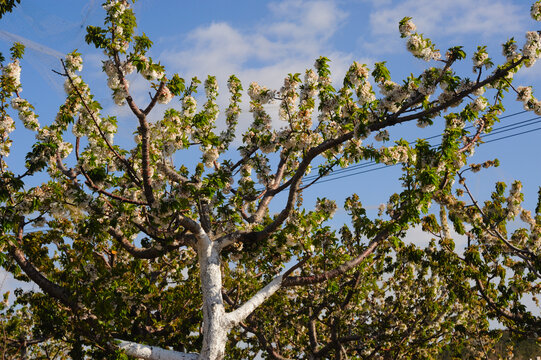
(498,74)
(148,352)
(343,268)
(142,253)
(95,187)
(248,307)
(130,170)
(54,290)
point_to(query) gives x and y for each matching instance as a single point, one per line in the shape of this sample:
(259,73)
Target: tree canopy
(140,251)
(7,6)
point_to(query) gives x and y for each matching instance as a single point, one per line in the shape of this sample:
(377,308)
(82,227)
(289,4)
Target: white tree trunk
(216,324)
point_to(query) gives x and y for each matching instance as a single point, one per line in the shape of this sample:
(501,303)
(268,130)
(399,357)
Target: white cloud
(448,17)
(294,34)
(421,238)
(288,40)
(483,19)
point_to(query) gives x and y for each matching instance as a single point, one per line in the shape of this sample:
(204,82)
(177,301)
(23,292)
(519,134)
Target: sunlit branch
(342,269)
(498,74)
(129,168)
(143,131)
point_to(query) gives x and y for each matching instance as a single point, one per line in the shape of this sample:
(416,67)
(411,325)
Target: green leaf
(17,51)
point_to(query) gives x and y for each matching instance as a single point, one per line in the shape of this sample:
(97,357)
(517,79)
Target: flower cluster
(509,50)
(419,46)
(326,206)
(535,11)
(479,104)
(429,81)
(397,154)
(12,73)
(480,58)
(514,200)
(406,27)
(74,62)
(7,125)
(189,106)
(262,169)
(365,93)
(394,95)
(233,110)
(114,82)
(210,108)
(116,10)
(150,72)
(525,95)
(260,93)
(310,82)
(453,121)
(26,113)
(210,154)
(532,47)
(289,95)
(357,73)
(165,95)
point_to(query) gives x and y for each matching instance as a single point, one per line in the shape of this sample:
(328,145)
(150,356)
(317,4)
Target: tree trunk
(216,325)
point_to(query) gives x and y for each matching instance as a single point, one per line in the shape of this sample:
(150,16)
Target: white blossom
(407,28)
(479,104)
(165,95)
(74,62)
(535,11)
(12,71)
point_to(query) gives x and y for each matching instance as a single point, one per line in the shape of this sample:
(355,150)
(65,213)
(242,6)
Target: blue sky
(265,40)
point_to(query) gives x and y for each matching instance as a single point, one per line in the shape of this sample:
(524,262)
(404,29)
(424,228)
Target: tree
(7,6)
(138,254)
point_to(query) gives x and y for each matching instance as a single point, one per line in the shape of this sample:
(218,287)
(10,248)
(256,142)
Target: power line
(351,171)
(513,135)
(371,163)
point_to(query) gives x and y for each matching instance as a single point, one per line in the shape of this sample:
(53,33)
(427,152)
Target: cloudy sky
(265,40)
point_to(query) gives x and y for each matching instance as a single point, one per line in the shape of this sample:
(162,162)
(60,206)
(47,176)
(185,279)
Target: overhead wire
(352,170)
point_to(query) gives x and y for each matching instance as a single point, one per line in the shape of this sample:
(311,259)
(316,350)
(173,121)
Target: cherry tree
(137,253)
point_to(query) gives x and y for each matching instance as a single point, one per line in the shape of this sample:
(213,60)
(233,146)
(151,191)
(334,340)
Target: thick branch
(153,352)
(145,159)
(171,173)
(492,304)
(269,194)
(342,269)
(142,253)
(498,74)
(54,290)
(248,307)
(154,99)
